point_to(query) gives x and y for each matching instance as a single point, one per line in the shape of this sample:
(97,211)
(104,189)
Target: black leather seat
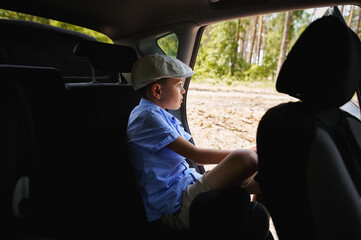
(16,143)
(101,192)
(229,213)
(109,59)
(31,146)
(309,161)
(45,90)
(35,44)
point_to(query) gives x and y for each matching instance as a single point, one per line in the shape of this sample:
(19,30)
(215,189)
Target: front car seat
(309,151)
(17,151)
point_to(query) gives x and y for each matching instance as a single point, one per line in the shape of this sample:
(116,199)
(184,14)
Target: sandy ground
(227,117)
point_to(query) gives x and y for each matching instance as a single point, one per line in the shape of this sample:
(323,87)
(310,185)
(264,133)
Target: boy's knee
(248,159)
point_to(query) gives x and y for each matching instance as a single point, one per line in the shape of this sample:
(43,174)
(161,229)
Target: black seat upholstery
(16,143)
(79,173)
(108,58)
(76,160)
(34,44)
(100,187)
(36,144)
(45,90)
(229,213)
(304,174)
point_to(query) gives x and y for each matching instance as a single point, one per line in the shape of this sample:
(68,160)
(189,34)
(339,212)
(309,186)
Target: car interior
(66,98)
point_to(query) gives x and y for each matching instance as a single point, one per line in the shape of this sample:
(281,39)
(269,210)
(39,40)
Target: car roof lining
(117,20)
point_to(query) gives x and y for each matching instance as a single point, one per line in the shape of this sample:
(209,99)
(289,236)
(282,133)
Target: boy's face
(171,94)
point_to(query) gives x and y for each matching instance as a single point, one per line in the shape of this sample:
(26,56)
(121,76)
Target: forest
(239,50)
(253,48)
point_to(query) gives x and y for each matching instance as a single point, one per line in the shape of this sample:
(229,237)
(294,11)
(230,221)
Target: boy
(159,146)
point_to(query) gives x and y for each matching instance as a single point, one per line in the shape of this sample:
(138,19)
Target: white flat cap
(154,67)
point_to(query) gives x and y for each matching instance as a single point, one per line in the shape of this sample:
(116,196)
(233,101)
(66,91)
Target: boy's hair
(142,92)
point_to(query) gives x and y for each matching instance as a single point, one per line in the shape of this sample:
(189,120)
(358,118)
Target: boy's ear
(155,90)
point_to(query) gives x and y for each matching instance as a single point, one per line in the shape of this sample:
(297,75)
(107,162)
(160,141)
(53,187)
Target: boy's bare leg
(238,168)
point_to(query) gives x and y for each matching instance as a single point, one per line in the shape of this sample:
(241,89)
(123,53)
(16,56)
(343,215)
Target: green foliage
(6,14)
(255,73)
(225,49)
(169,44)
(218,50)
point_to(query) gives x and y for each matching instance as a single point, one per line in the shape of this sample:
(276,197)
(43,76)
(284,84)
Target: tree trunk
(259,38)
(242,39)
(245,44)
(253,38)
(341,9)
(350,17)
(236,40)
(284,41)
(358,21)
(241,44)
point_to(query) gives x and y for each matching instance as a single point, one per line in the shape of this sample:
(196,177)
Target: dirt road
(227,117)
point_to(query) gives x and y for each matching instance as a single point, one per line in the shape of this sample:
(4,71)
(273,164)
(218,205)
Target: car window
(11,15)
(355,100)
(236,69)
(169,44)
(353,107)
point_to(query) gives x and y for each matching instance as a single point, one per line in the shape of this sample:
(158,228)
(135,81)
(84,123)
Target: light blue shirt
(162,174)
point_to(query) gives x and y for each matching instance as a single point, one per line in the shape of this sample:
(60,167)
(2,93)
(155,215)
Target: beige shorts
(180,219)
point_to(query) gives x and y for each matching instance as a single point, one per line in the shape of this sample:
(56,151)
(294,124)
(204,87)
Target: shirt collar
(145,102)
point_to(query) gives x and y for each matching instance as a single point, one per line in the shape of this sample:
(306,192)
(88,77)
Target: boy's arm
(198,155)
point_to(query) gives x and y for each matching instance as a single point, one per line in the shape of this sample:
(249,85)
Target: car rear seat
(35,156)
(105,109)
(108,59)
(80,179)
(101,182)
(45,90)
(82,183)
(34,44)
(16,144)
(82,168)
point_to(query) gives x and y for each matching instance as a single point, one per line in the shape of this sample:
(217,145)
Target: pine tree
(253,37)
(259,39)
(284,41)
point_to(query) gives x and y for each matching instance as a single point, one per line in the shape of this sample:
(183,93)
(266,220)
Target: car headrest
(323,67)
(107,57)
